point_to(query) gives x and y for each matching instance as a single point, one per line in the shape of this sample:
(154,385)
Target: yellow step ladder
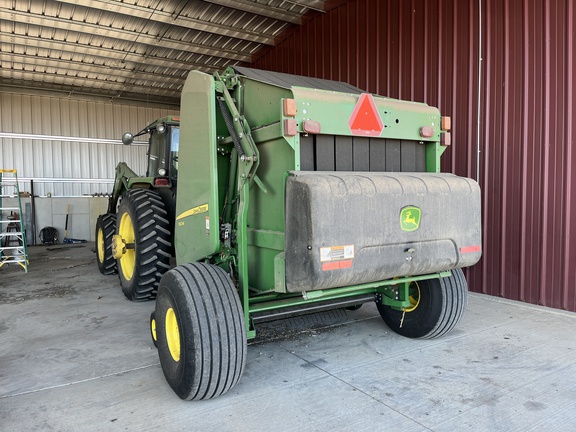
(13,247)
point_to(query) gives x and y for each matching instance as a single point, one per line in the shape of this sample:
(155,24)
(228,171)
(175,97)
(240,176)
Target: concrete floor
(76,356)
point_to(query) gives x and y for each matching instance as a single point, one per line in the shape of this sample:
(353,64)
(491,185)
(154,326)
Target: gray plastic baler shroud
(352,228)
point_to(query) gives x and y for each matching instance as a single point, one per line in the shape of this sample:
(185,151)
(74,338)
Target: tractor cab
(163,146)
(163,151)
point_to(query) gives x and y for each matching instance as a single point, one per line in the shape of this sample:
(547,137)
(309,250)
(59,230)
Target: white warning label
(336,253)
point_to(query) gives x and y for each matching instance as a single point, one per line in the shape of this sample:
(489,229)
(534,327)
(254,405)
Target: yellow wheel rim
(414,297)
(153,329)
(128,258)
(173,334)
(101,246)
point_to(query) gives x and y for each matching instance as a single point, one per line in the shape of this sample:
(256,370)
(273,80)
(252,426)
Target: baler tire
(142,218)
(440,307)
(105,229)
(200,329)
(153,333)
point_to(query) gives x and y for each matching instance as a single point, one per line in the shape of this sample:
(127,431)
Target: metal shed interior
(138,50)
(504,71)
(76,75)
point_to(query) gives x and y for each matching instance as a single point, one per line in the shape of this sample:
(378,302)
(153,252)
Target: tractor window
(156,153)
(175,141)
(174,146)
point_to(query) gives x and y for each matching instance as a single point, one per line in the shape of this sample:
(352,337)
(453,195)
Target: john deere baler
(296,195)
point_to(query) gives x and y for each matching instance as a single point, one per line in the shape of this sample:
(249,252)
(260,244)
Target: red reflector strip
(470,249)
(336,265)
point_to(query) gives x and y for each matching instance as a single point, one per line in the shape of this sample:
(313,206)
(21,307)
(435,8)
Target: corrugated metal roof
(134,49)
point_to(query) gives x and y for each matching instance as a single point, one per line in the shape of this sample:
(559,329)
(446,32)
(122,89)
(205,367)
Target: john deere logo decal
(410,218)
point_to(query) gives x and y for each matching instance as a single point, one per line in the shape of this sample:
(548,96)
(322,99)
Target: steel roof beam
(30,42)
(317,5)
(81,83)
(169,18)
(260,9)
(89,68)
(119,34)
(36,87)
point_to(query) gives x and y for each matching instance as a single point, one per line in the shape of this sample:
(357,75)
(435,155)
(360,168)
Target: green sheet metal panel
(197,206)
(334,111)
(261,104)
(368,116)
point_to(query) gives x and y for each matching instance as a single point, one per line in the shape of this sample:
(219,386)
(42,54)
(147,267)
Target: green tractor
(295,195)
(134,238)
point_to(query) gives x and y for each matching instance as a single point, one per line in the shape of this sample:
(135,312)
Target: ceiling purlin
(169,18)
(261,9)
(27,85)
(117,57)
(119,34)
(86,85)
(70,66)
(317,5)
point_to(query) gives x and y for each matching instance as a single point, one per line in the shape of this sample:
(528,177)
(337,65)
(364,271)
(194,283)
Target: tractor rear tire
(105,229)
(200,331)
(143,224)
(438,305)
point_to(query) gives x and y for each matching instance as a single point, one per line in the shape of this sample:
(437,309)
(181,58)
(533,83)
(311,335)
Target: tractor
(141,254)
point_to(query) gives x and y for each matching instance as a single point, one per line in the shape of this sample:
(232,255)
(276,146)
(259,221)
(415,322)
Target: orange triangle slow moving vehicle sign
(365,119)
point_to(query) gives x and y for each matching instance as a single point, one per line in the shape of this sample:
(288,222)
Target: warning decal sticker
(336,253)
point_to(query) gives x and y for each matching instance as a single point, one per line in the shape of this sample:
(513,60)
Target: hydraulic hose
(230,125)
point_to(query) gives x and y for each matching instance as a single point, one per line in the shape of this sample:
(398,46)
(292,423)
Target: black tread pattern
(454,291)
(212,331)
(106,222)
(441,307)
(152,243)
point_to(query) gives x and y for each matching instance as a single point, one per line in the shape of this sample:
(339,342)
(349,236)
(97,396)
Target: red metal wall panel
(430,51)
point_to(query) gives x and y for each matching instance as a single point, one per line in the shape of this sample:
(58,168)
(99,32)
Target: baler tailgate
(353,228)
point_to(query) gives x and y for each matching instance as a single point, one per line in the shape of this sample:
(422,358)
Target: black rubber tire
(151,243)
(210,327)
(441,306)
(153,333)
(105,229)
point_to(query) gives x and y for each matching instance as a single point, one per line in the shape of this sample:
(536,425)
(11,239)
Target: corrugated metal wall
(51,116)
(430,50)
